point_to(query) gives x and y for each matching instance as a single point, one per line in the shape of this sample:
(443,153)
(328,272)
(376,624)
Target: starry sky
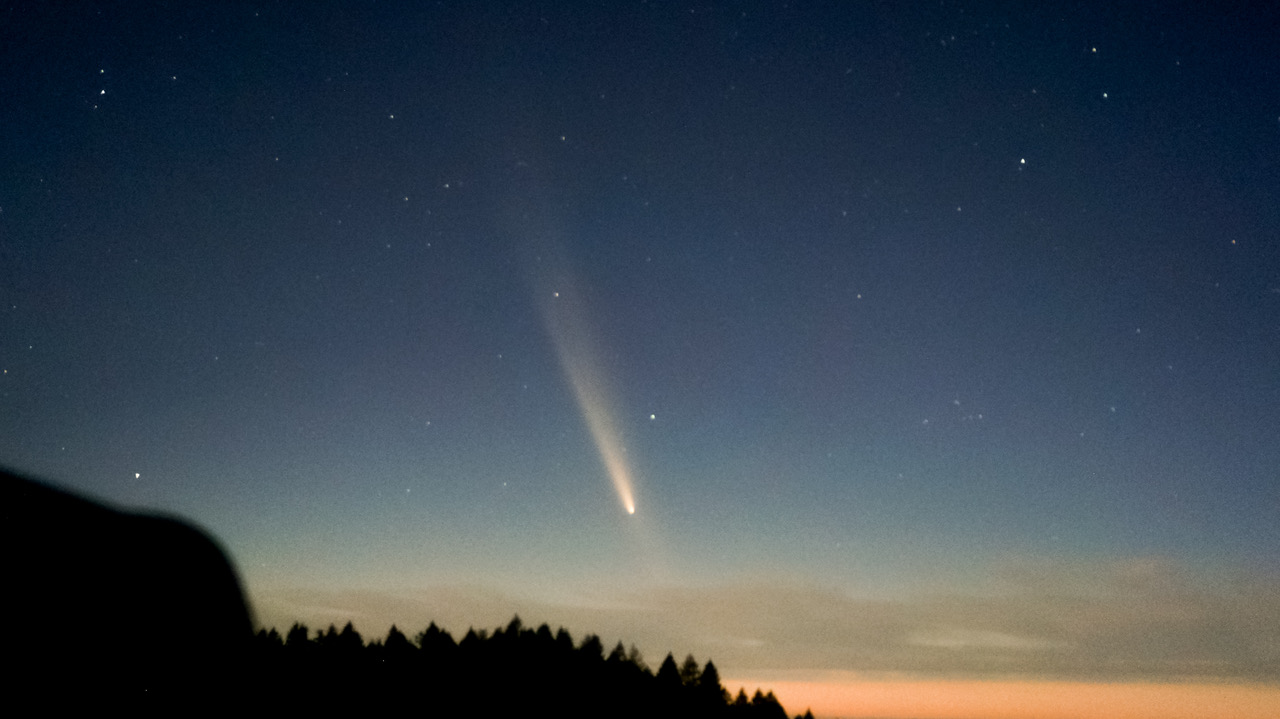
(940,339)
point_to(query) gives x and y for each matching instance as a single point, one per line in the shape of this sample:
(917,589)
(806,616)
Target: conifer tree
(709,687)
(668,673)
(635,657)
(618,655)
(397,644)
(592,648)
(689,671)
(564,640)
(297,636)
(349,640)
(514,627)
(531,666)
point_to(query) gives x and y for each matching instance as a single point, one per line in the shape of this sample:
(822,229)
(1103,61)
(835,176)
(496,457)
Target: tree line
(511,671)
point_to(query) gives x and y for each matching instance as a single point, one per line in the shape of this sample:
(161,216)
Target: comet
(588,392)
(567,326)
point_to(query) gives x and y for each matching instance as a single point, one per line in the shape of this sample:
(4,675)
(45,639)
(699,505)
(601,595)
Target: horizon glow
(857,697)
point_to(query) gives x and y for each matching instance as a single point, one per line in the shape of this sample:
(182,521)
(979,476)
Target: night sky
(939,340)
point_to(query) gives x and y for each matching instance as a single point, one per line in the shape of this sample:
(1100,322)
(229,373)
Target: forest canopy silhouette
(512,670)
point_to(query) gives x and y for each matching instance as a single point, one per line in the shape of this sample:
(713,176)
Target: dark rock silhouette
(105,606)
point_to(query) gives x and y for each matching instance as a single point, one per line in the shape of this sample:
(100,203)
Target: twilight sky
(941,341)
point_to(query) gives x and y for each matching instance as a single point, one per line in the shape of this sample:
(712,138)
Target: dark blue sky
(875,299)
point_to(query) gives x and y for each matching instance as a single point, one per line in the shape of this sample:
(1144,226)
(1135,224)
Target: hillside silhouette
(112,608)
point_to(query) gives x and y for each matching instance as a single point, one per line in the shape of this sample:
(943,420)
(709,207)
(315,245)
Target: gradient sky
(938,342)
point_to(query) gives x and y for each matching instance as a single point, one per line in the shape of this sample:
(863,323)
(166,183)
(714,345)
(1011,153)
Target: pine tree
(635,657)
(668,674)
(297,636)
(349,641)
(397,644)
(592,648)
(564,640)
(689,671)
(618,655)
(514,627)
(709,687)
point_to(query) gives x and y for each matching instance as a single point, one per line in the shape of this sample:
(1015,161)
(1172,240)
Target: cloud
(1138,619)
(959,639)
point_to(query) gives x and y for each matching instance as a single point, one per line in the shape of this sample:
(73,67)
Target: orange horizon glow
(866,698)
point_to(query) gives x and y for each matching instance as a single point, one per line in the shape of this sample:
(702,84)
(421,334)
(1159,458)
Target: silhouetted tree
(618,655)
(689,671)
(349,640)
(397,644)
(766,706)
(564,640)
(668,673)
(470,639)
(434,640)
(514,626)
(297,637)
(266,653)
(635,657)
(709,684)
(269,638)
(326,639)
(537,672)
(592,648)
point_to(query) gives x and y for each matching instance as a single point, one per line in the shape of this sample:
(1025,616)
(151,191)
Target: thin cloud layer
(1145,620)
